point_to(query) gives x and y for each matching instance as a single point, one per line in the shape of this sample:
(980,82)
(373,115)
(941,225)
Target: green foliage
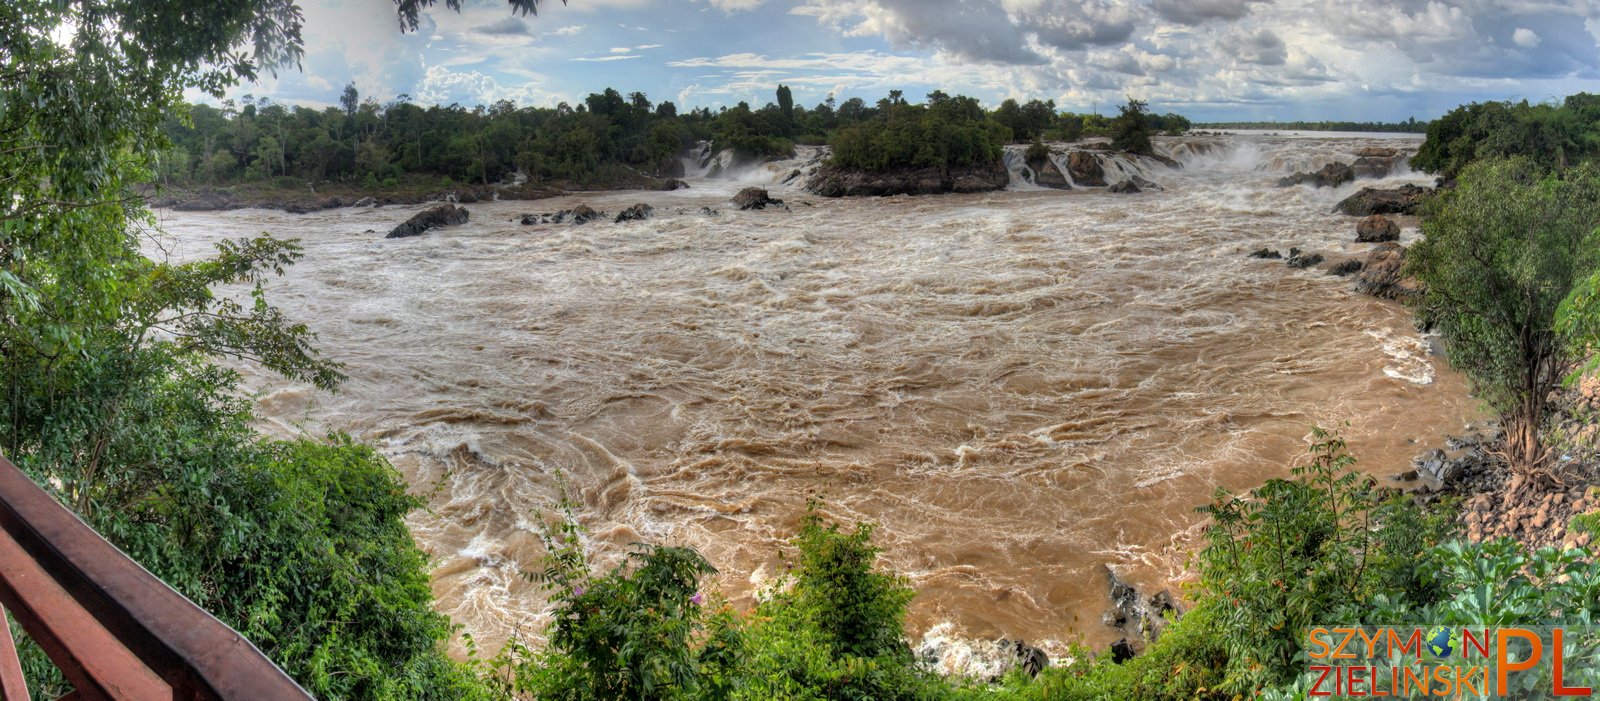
(1554,136)
(1500,254)
(951,133)
(1037,151)
(1131,131)
(638,632)
(1299,551)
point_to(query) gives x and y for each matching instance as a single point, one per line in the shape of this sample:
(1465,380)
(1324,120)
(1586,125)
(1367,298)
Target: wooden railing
(113,629)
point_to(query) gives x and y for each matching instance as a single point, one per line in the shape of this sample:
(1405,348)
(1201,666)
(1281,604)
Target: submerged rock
(441,215)
(1344,268)
(1126,187)
(1405,199)
(1300,260)
(1377,228)
(1266,253)
(638,212)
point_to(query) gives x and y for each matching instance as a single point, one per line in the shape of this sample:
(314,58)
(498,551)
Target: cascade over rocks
(755,198)
(1380,274)
(1085,169)
(441,215)
(1331,175)
(1046,174)
(1405,199)
(1377,228)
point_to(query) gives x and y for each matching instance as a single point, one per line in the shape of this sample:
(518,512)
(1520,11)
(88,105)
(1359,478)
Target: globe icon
(1439,641)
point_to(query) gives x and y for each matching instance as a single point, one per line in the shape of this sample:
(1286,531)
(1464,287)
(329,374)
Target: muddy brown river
(1017,387)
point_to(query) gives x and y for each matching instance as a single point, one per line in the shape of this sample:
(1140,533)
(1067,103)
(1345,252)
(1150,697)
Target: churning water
(1017,387)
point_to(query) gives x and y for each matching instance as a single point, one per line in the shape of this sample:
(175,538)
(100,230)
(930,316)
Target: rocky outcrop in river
(1377,229)
(1330,175)
(1406,199)
(441,215)
(833,181)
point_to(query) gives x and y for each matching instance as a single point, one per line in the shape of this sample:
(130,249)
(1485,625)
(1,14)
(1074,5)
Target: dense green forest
(1559,135)
(609,140)
(1410,126)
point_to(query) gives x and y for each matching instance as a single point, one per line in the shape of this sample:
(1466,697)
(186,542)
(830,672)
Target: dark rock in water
(583,214)
(707,211)
(1368,201)
(670,184)
(1046,174)
(1345,268)
(1330,175)
(1121,651)
(1381,277)
(441,215)
(531,219)
(1125,187)
(1031,659)
(1124,603)
(638,212)
(468,197)
(366,202)
(1145,184)
(1377,228)
(755,198)
(1085,169)
(1267,253)
(1300,260)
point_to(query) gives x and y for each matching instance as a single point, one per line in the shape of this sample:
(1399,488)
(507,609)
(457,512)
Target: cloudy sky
(1209,59)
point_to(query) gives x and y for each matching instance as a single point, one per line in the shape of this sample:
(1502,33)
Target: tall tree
(1499,254)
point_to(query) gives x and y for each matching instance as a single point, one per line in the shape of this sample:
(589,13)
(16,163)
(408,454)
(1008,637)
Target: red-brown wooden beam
(12,686)
(113,629)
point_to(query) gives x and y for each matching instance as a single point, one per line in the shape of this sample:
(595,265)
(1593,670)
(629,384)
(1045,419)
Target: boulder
(1267,253)
(1344,268)
(441,215)
(1046,174)
(1126,187)
(1300,260)
(1121,651)
(531,219)
(1381,274)
(1330,175)
(638,212)
(669,184)
(1032,660)
(366,202)
(755,198)
(1405,199)
(583,214)
(468,197)
(1377,228)
(1085,169)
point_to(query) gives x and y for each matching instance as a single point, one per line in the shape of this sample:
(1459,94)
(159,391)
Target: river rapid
(1017,387)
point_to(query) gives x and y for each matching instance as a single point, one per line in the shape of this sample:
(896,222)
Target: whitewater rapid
(1018,387)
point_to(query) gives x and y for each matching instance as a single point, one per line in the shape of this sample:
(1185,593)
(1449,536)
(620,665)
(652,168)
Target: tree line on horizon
(1409,126)
(607,139)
